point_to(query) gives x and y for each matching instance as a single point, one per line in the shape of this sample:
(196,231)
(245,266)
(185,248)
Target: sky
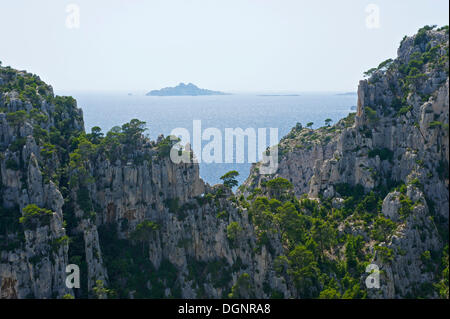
(229,45)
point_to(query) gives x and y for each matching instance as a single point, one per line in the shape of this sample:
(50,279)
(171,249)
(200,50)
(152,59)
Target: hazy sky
(229,45)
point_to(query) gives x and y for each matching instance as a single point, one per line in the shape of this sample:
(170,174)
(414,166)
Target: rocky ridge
(399,135)
(371,189)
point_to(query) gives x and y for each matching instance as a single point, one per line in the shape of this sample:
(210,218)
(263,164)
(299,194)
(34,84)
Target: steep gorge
(371,189)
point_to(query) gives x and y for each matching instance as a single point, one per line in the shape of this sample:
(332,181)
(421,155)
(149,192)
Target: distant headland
(184,89)
(278,94)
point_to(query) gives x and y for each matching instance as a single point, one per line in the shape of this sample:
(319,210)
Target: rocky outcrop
(32,264)
(87,191)
(399,135)
(373,188)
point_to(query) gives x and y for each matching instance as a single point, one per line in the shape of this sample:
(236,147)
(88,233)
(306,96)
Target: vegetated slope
(135,223)
(371,189)
(382,174)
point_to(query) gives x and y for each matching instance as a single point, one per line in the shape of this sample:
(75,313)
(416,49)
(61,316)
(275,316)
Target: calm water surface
(163,114)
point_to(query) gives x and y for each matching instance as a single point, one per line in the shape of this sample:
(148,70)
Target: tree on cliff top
(143,232)
(229,179)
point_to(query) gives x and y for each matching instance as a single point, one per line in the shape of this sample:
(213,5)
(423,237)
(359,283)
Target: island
(183,90)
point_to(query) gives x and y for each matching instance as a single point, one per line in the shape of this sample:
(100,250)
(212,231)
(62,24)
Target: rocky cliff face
(398,135)
(372,189)
(34,253)
(89,195)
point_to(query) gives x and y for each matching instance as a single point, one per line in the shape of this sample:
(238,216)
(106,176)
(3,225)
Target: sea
(254,111)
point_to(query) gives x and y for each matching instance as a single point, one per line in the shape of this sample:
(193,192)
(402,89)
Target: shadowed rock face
(8,288)
(147,227)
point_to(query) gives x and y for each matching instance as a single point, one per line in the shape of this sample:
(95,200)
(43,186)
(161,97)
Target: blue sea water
(163,114)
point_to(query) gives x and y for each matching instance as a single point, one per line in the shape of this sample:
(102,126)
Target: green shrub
(229,179)
(278,186)
(421,36)
(405,206)
(383,153)
(241,288)
(18,144)
(61,241)
(16,118)
(32,215)
(386,254)
(382,228)
(435,124)
(12,164)
(166,145)
(223,214)
(234,230)
(403,110)
(371,114)
(172,204)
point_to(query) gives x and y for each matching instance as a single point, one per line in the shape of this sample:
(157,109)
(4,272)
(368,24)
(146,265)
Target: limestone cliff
(371,189)
(73,198)
(399,135)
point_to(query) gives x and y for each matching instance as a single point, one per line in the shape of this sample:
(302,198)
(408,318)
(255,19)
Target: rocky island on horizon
(184,90)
